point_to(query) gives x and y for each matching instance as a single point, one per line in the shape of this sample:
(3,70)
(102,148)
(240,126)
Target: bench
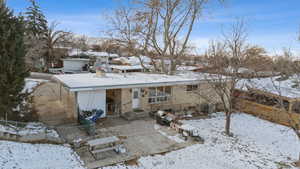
(104,150)
(101,143)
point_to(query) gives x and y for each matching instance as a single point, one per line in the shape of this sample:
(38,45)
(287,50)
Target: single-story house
(132,60)
(117,93)
(273,99)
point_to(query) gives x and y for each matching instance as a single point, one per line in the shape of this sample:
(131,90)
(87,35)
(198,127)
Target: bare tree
(275,91)
(227,58)
(283,63)
(288,70)
(159,29)
(54,39)
(35,51)
(256,58)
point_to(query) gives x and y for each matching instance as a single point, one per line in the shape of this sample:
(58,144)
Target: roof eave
(139,85)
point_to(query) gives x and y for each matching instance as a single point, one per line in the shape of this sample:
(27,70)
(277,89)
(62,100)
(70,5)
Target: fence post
(6,118)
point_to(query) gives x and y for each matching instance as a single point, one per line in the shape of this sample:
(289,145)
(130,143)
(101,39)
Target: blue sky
(273,24)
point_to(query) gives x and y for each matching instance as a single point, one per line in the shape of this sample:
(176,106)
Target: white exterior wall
(74,65)
(89,100)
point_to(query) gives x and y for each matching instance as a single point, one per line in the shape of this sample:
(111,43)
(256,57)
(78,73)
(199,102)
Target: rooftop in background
(76,59)
(133,60)
(188,68)
(128,67)
(90,81)
(285,88)
(76,52)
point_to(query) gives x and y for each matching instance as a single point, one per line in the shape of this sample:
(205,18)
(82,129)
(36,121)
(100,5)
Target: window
(135,94)
(190,88)
(159,94)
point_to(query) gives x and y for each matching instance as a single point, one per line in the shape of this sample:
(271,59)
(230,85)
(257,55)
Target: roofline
(124,86)
(76,59)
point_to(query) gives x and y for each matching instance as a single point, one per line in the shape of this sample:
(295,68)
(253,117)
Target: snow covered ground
(30,84)
(256,144)
(37,156)
(29,129)
(14,155)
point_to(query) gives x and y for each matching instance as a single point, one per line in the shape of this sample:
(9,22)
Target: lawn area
(15,155)
(256,144)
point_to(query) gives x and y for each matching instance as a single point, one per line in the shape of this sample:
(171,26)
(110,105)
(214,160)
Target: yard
(256,144)
(37,156)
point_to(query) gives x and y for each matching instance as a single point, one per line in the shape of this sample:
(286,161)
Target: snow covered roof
(134,60)
(239,70)
(89,81)
(125,67)
(76,59)
(75,52)
(282,88)
(187,68)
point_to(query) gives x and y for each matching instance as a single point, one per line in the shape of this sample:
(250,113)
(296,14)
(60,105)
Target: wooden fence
(270,113)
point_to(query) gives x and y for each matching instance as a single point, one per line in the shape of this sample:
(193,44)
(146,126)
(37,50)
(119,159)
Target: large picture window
(159,94)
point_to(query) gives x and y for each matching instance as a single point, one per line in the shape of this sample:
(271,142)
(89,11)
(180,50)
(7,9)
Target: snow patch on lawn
(175,138)
(256,144)
(37,156)
(29,129)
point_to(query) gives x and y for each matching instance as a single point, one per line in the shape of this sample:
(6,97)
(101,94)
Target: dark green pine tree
(12,68)
(36,22)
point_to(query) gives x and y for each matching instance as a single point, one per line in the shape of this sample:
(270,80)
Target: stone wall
(68,99)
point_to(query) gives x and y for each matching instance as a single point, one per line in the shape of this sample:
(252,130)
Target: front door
(136,98)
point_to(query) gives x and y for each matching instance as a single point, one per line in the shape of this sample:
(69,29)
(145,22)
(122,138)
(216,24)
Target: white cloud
(200,44)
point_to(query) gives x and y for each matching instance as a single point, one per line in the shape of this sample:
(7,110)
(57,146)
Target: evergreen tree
(12,69)
(36,41)
(36,22)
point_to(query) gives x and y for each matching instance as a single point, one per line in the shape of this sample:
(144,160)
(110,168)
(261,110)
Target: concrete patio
(140,137)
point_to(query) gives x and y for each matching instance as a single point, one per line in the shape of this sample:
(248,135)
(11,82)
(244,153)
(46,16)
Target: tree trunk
(227,124)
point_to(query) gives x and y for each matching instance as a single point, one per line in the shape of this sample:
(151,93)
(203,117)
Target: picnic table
(102,143)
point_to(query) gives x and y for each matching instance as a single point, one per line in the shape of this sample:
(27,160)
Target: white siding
(74,65)
(88,100)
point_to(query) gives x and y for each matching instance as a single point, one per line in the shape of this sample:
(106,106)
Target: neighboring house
(270,98)
(122,94)
(132,60)
(75,65)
